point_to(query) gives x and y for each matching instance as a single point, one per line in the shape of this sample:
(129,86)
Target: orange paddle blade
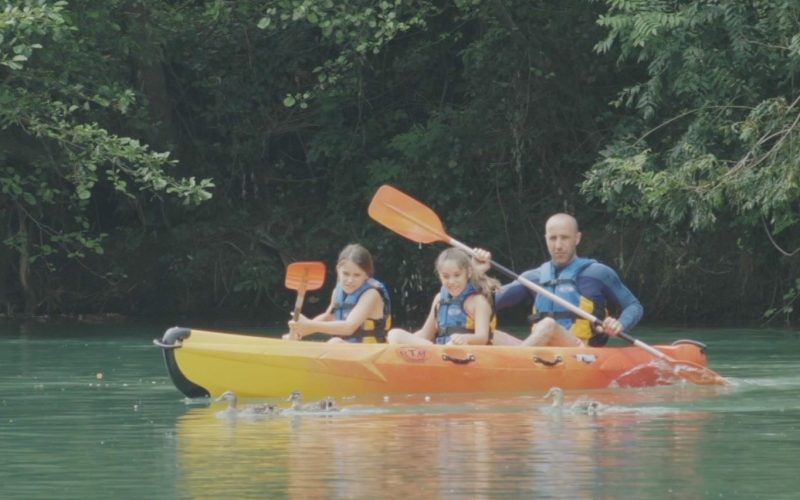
(406,216)
(305,275)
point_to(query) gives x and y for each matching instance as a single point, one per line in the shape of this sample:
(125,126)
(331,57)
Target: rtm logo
(413,354)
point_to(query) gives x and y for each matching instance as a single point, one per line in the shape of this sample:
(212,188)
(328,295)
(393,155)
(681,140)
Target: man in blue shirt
(585,283)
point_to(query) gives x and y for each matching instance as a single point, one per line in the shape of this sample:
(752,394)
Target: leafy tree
(491,112)
(443,110)
(713,143)
(63,90)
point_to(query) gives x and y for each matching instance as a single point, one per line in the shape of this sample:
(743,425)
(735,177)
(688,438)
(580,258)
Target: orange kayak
(203,363)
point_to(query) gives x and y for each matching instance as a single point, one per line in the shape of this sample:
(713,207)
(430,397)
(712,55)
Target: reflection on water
(476,446)
(92,414)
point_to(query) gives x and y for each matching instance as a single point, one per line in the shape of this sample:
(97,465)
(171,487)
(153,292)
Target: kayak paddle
(304,276)
(413,220)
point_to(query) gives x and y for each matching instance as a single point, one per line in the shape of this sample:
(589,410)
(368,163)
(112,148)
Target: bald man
(585,283)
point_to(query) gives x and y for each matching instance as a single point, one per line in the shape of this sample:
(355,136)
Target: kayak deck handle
(459,361)
(546,362)
(697,343)
(164,345)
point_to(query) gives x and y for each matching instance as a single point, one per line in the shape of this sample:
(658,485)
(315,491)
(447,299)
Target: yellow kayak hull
(204,363)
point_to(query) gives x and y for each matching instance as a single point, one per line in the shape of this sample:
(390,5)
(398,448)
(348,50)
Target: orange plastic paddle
(304,276)
(413,220)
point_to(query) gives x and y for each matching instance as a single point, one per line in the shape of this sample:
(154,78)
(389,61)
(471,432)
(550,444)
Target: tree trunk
(150,76)
(24,265)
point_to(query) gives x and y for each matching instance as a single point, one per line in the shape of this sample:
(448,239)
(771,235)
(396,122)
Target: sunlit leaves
(726,131)
(24,26)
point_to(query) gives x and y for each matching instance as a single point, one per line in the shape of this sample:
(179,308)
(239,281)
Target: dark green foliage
(668,128)
(713,146)
(69,126)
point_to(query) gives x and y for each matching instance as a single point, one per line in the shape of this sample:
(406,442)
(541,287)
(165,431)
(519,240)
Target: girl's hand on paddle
(612,326)
(481,260)
(300,328)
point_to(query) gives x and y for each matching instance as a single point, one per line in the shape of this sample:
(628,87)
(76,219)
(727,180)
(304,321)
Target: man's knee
(546,324)
(395,336)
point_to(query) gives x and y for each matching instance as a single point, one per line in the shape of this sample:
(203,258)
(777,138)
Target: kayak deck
(204,363)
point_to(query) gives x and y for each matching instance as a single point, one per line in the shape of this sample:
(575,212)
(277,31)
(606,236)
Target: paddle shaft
(433,226)
(439,232)
(301,295)
(419,223)
(647,347)
(530,284)
(555,298)
(298,303)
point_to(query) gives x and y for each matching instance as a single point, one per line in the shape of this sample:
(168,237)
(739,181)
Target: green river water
(90,412)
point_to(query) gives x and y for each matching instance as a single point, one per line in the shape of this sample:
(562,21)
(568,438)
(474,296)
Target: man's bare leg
(502,338)
(400,336)
(548,332)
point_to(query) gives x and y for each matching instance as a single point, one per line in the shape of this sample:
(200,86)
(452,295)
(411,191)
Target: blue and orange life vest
(373,330)
(452,317)
(566,287)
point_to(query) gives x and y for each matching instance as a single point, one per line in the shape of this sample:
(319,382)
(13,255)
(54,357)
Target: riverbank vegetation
(171,157)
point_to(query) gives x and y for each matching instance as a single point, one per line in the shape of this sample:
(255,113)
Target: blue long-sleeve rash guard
(597,282)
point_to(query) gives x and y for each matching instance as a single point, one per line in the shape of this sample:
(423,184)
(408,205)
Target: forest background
(169,158)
